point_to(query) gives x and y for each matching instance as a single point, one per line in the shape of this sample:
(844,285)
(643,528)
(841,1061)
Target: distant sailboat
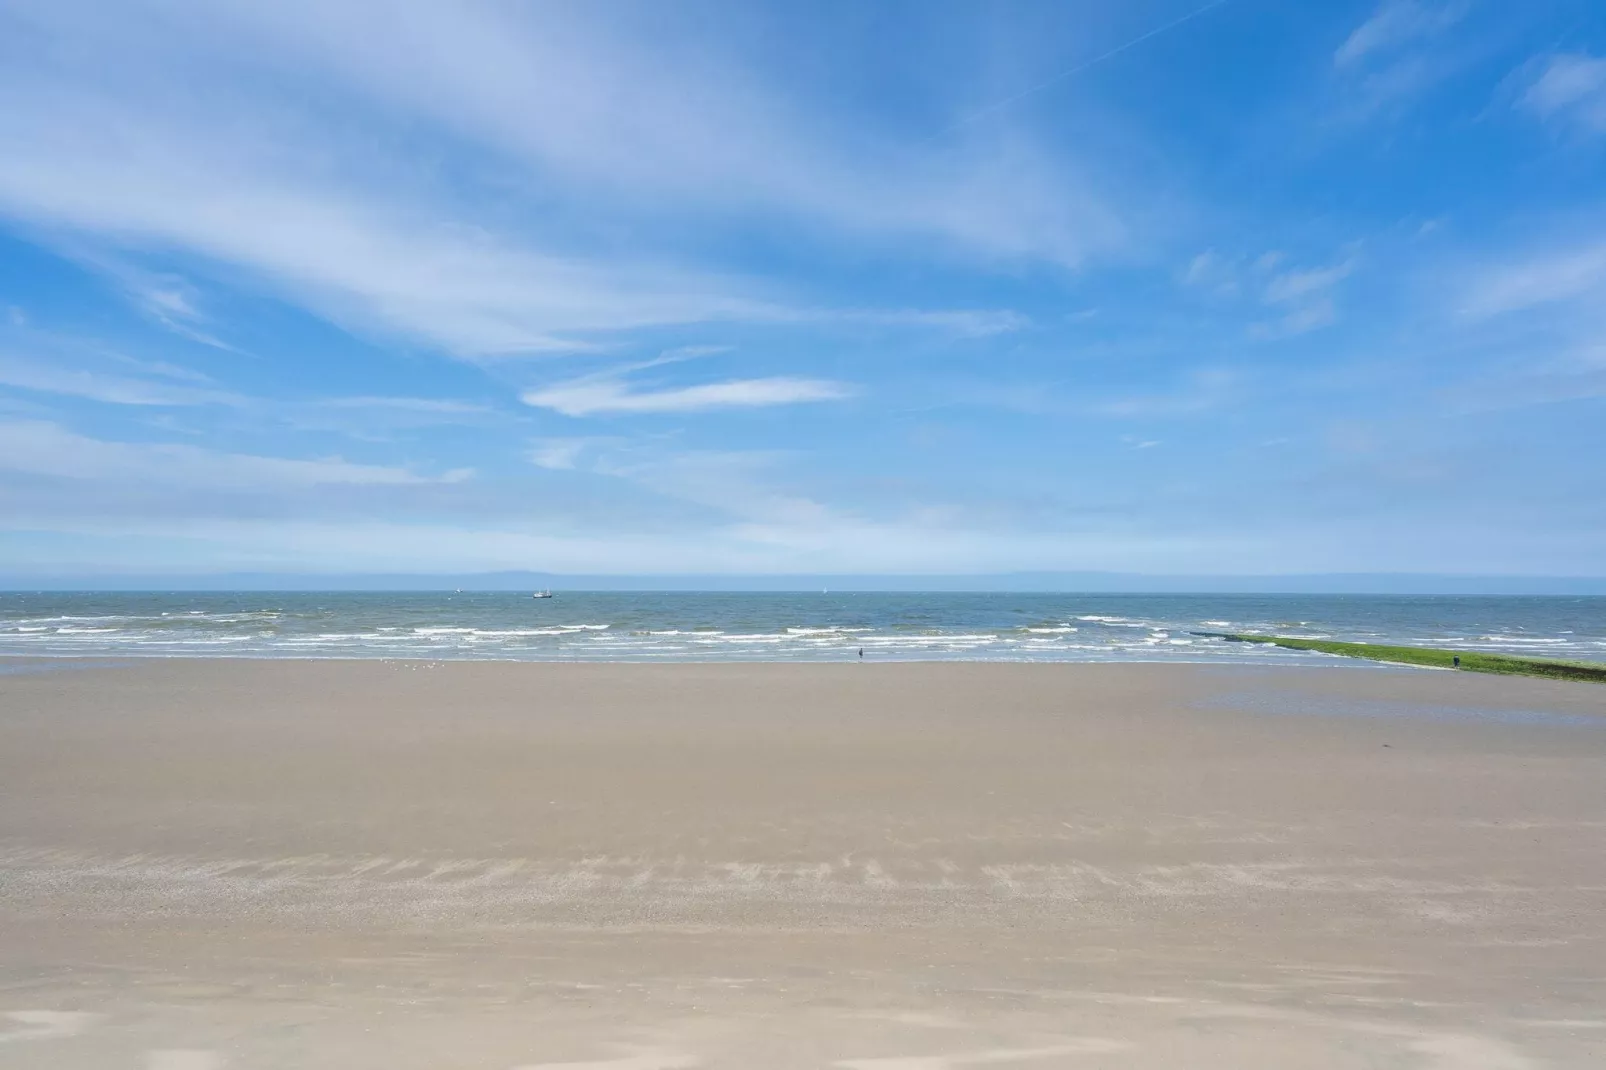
(542,594)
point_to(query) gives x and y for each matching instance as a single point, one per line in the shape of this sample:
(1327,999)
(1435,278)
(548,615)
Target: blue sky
(1247,287)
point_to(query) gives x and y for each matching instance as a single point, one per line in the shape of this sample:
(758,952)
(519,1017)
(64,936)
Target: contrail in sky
(1080,67)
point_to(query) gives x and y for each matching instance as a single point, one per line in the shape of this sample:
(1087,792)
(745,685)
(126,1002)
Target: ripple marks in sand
(638,1060)
(991,1057)
(626,890)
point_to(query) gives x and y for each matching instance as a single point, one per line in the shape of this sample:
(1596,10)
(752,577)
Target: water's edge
(685,626)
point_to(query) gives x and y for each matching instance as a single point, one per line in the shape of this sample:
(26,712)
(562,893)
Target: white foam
(759,637)
(1517,639)
(325,637)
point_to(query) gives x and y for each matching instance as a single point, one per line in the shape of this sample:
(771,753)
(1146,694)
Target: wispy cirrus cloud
(163,297)
(97,384)
(1395,56)
(569,93)
(134,133)
(1289,286)
(1210,272)
(558,454)
(1307,295)
(53,361)
(1525,281)
(1553,382)
(967,322)
(445,408)
(606,396)
(1205,390)
(741,484)
(1302,296)
(365,259)
(375,418)
(1310,315)
(42,448)
(1570,88)
(742,488)
(1395,24)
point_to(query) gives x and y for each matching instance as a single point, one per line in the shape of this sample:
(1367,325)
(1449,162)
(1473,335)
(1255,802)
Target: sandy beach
(250,864)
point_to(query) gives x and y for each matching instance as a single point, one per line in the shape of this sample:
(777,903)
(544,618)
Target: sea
(790,626)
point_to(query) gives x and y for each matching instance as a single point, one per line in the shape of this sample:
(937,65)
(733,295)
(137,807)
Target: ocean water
(690,626)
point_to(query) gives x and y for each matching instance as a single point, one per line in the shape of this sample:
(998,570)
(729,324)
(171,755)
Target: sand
(238,864)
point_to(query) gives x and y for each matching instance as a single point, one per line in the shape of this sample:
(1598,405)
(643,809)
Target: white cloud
(1305,293)
(1396,56)
(39,448)
(1572,87)
(650,115)
(374,419)
(355,255)
(1294,285)
(973,323)
(1546,387)
(1519,283)
(557,453)
(1208,271)
(161,368)
(740,484)
(145,128)
(593,396)
(50,378)
(162,296)
(173,308)
(421,406)
(1310,316)
(693,352)
(1396,23)
(1229,276)
(1206,390)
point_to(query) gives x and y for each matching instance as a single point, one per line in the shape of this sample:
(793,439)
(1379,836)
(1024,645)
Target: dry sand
(210,865)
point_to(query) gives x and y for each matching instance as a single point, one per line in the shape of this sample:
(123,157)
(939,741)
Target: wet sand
(237,864)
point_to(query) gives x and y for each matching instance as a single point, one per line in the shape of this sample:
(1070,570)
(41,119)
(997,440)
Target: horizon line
(1016,582)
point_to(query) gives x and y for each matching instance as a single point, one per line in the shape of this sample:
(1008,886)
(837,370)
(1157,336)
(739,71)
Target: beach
(233,863)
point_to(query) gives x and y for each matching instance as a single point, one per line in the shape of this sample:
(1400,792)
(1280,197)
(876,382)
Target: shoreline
(748,627)
(1336,662)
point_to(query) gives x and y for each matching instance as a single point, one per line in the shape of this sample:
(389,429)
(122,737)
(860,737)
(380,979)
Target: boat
(542,594)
